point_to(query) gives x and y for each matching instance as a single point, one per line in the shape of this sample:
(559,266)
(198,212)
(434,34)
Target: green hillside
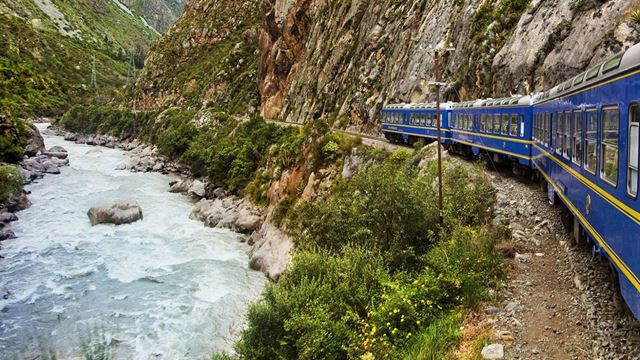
(47,49)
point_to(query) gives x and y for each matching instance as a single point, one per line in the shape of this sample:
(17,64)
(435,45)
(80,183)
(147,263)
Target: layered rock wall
(343,60)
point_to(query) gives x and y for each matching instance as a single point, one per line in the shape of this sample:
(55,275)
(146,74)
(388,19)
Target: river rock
(70,136)
(210,212)
(181,186)
(33,165)
(197,189)
(119,213)
(20,203)
(219,193)
(493,352)
(50,167)
(58,155)
(7,217)
(247,220)
(7,234)
(57,149)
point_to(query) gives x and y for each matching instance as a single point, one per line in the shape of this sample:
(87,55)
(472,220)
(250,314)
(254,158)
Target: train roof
(502,102)
(417,106)
(618,64)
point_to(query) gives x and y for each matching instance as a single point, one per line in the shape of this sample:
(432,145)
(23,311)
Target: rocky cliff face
(343,60)
(160,14)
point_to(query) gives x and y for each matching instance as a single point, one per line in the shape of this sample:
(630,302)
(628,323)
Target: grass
(436,340)
(635,16)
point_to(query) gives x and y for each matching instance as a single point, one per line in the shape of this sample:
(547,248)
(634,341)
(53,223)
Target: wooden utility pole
(438,83)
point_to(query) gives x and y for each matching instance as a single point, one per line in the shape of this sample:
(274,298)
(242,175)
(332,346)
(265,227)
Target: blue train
(582,138)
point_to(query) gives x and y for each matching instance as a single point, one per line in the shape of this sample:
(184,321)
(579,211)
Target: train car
(585,145)
(500,126)
(409,123)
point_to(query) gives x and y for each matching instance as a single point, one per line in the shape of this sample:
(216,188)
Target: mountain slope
(160,14)
(208,58)
(47,49)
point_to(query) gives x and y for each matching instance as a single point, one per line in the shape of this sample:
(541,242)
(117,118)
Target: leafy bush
(310,313)
(392,207)
(11,181)
(13,137)
(387,207)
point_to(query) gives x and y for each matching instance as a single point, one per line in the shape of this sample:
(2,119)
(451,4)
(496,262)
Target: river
(165,287)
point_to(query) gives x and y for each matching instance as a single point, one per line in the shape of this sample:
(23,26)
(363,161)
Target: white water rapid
(165,287)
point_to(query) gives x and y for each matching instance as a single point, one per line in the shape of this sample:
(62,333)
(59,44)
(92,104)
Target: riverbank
(38,161)
(270,247)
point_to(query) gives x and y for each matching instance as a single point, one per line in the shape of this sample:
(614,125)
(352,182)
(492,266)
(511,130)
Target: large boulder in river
(119,213)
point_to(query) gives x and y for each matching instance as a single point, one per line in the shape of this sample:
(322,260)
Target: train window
(496,123)
(609,144)
(566,134)
(505,124)
(591,142)
(521,122)
(559,124)
(548,120)
(593,72)
(634,142)
(612,64)
(576,140)
(513,127)
(469,122)
(483,122)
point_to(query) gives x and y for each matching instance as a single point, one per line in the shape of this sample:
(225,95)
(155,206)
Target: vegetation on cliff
(373,271)
(207,60)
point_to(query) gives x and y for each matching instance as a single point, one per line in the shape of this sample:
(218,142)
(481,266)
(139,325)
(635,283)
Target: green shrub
(392,207)
(13,138)
(387,207)
(312,311)
(11,181)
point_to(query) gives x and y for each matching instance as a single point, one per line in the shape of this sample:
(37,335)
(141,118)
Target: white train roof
(618,64)
(418,106)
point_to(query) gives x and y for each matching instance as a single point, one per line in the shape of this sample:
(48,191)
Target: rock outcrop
(35,142)
(124,212)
